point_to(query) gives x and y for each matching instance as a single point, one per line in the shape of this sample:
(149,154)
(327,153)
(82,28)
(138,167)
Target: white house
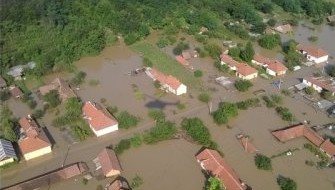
(260,60)
(320,84)
(168,83)
(99,119)
(33,141)
(313,54)
(276,68)
(7,152)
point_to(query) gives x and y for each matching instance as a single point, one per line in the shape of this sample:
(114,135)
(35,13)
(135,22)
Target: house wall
(317,88)
(37,153)
(230,67)
(271,72)
(113,173)
(248,77)
(259,63)
(106,130)
(317,60)
(6,161)
(182,89)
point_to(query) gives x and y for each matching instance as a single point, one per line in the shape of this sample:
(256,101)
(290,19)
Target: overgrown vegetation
(136,182)
(324,159)
(52,98)
(285,114)
(196,129)
(225,112)
(213,183)
(157,115)
(162,131)
(204,97)
(126,120)
(270,41)
(243,85)
(248,103)
(7,124)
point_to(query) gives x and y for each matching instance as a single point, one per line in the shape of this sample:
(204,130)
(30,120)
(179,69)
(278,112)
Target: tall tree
(248,53)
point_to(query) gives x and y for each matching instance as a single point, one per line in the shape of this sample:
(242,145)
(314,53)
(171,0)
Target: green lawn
(166,64)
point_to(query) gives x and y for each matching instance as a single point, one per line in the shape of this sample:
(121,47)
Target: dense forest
(55,33)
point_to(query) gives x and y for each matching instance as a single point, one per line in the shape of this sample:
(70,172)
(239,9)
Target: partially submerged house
(182,59)
(99,119)
(273,67)
(214,164)
(118,184)
(320,84)
(61,86)
(33,141)
(243,71)
(246,144)
(7,152)
(168,83)
(314,54)
(15,92)
(108,162)
(300,130)
(284,29)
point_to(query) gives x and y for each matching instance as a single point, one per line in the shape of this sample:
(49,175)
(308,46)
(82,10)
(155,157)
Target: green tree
(225,112)
(214,184)
(7,124)
(147,62)
(272,22)
(269,41)
(198,73)
(234,52)
(286,183)
(248,53)
(243,85)
(309,90)
(213,50)
(127,120)
(157,115)
(52,98)
(204,97)
(263,162)
(196,129)
(162,131)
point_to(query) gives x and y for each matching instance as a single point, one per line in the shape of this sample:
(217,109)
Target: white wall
(6,161)
(105,130)
(182,89)
(248,77)
(317,88)
(271,72)
(37,153)
(317,60)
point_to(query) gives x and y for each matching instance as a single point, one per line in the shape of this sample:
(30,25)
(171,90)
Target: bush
(225,112)
(213,50)
(38,114)
(309,90)
(244,105)
(157,84)
(243,85)
(112,109)
(136,141)
(285,114)
(162,131)
(157,115)
(81,132)
(286,183)
(127,120)
(263,162)
(123,145)
(272,22)
(137,181)
(162,42)
(52,98)
(181,46)
(196,129)
(313,38)
(204,97)
(32,103)
(268,102)
(4,95)
(198,73)
(277,99)
(78,78)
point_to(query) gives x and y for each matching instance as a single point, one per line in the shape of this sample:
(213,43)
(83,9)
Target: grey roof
(15,71)
(6,150)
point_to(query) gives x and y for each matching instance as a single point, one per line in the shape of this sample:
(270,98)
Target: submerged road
(83,151)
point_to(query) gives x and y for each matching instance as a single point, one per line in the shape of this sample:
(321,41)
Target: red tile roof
(260,59)
(229,60)
(326,84)
(63,88)
(35,137)
(108,161)
(247,145)
(313,51)
(246,70)
(182,61)
(97,116)
(300,130)
(217,166)
(328,147)
(169,80)
(15,92)
(276,66)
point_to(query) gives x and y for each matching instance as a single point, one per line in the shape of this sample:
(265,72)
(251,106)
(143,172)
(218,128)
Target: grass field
(166,64)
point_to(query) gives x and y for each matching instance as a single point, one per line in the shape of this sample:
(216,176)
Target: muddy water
(168,165)
(325,33)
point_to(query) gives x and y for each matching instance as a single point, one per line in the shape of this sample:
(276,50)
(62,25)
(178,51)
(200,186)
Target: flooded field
(165,166)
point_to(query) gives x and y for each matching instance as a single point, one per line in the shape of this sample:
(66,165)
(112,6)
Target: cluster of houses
(300,130)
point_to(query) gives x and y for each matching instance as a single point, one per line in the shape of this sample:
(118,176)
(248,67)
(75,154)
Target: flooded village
(111,152)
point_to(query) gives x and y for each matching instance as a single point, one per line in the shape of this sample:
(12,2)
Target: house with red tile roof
(99,119)
(214,164)
(273,67)
(276,68)
(168,83)
(246,72)
(316,55)
(300,130)
(246,144)
(108,162)
(320,84)
(243,71)
(61,86)
(33,141)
